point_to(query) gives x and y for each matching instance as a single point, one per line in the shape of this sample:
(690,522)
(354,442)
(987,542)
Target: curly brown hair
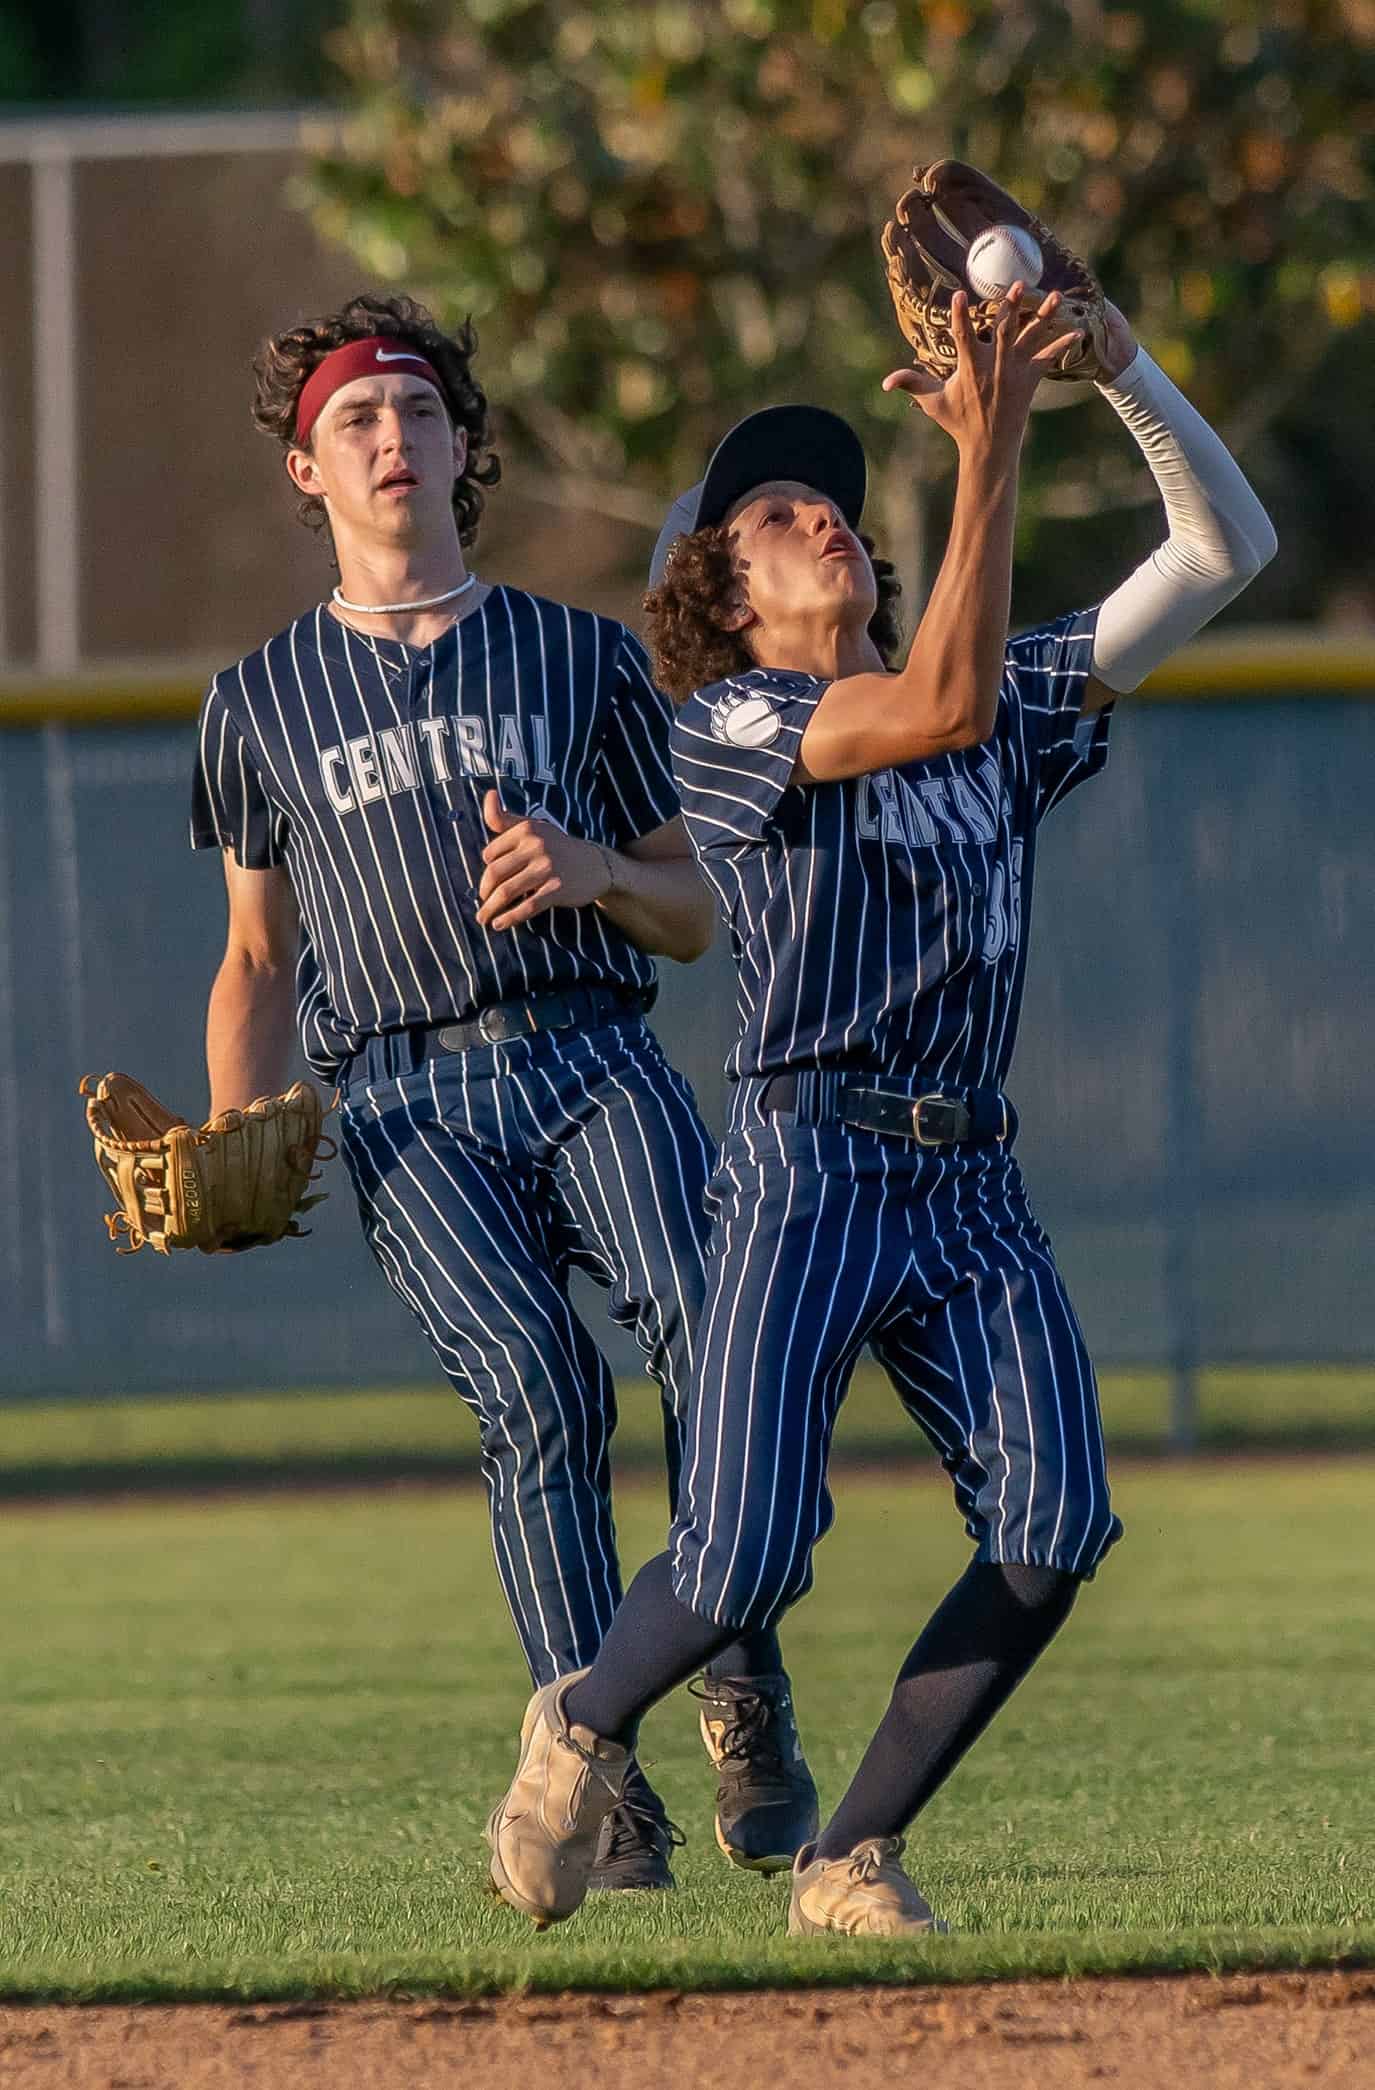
(283,364)
(688,645)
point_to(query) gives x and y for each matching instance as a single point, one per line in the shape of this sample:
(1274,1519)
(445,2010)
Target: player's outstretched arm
(248,1030)
(1220,536)
(946,694)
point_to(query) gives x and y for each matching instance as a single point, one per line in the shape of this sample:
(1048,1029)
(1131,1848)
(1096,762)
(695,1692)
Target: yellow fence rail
(1263,661)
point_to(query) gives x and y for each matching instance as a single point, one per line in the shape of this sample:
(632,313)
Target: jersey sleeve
(735,747)
(1043,686)
(229,807)
(636,773)
(321,1047)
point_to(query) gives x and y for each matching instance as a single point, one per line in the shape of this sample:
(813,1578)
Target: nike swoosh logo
(382,357)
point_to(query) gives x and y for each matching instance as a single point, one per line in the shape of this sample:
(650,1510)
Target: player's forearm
(962,637)
(1220,536)
(946,696)
(662,906)
(950,682)
(248,1031)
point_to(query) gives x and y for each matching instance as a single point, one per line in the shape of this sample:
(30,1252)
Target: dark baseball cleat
(765,1799)
(636,1842)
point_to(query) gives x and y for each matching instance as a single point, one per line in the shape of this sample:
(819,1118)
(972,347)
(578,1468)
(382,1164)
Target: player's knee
(1101,1534)
(746,1590)
(1038,1588)
(763,1587)
(1045,1575)
(1037,1600)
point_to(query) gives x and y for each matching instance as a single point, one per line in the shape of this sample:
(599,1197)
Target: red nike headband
(372,357)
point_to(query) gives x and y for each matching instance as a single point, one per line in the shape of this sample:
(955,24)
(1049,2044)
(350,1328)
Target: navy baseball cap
(779,442)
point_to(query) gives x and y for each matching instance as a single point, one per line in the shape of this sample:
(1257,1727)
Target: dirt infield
(1242,2032)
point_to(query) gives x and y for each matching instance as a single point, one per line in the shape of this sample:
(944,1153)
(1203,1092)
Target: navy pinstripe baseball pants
(826,1239)
(482,1178)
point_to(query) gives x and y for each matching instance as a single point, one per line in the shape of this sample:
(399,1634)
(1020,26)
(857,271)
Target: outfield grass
(249,1748)
(207,1440)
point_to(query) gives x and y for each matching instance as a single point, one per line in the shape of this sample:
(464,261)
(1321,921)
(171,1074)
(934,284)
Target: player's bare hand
(1122,344)
(532,865)
(984,403)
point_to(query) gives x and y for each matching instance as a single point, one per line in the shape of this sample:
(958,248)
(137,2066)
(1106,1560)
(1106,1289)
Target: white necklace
(398,609)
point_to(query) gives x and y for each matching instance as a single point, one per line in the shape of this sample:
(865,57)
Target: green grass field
(249,1748)
(203,1440)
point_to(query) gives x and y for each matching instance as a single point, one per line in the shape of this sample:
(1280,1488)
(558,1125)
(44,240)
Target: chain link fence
(1198,1116)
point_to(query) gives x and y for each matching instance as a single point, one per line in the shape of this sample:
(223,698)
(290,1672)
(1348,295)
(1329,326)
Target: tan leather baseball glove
(924,245)
(239,1181)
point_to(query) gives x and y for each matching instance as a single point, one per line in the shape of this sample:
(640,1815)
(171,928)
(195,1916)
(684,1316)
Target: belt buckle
(947,1103)
(494,1024)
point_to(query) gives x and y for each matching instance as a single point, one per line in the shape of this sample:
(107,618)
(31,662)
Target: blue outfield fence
(1193,1075)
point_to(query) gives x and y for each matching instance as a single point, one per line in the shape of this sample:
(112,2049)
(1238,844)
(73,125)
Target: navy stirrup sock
(654,1643)
(753,1654)
(976,1649)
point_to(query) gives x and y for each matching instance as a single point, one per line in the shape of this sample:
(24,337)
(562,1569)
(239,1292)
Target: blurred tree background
(661,215)
(664,214)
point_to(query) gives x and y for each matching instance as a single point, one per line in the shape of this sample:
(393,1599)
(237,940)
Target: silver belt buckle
(918,1135)
(948,1103)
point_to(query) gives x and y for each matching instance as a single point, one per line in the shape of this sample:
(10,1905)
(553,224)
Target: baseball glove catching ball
(239,1181)
(952,208)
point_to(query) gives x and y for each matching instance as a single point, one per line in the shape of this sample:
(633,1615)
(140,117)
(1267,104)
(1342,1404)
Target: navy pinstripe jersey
(881,922)
(361,764)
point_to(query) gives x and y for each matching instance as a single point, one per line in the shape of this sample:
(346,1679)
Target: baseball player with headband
(868,821)
(452,844)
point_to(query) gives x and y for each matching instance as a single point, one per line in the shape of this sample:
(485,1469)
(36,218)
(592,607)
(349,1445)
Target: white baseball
(1000,257)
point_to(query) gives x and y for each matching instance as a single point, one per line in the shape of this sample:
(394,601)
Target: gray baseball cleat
(864,1895)
(544,1833)
(637,1840)
(765,1799)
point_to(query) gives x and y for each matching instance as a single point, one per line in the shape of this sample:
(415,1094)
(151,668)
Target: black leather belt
(936,1119)
(578,1008)
(393,1053)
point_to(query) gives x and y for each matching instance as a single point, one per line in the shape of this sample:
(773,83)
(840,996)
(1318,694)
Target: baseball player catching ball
(452,844)
(869,826)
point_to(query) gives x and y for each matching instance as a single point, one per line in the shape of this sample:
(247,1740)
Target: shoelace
(565,1741)
(749,1735)
(630,1818)
(870,1861)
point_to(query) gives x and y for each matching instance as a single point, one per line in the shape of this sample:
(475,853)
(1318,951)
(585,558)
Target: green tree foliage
(662,214)
(134,52)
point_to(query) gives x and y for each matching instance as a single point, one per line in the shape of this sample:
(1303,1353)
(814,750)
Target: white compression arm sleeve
(1219,539)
